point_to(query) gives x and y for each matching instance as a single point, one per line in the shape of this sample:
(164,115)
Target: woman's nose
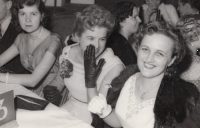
(96,44)
(150,58)
(28,18)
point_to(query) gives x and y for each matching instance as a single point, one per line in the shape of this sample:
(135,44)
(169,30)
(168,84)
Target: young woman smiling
(154,96)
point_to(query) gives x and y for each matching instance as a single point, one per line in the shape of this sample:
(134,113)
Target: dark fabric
(122,48)
(0,33)
(193,120)
(29,103)
(6,41)
(175,100)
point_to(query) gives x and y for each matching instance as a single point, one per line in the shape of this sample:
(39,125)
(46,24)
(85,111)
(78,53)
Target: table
(51,117)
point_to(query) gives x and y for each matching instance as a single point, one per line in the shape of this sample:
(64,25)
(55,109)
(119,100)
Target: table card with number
(7,109)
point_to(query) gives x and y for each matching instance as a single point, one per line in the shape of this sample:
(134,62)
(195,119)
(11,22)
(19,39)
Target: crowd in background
(152,81)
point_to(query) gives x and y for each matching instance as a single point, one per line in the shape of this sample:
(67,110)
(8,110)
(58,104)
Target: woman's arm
(112,120)
(114,72)
(8,55)
(99,106)
(31,80)
(169,14)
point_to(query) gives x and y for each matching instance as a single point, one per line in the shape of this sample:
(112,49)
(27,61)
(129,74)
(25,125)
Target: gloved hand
(52,94)
(91,69)
(99,106)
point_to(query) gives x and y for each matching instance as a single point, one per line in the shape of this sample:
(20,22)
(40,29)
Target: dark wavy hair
(194,3)
(121,11)
(94,15)
(19,4)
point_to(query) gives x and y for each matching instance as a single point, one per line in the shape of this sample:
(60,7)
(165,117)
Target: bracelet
(7,76)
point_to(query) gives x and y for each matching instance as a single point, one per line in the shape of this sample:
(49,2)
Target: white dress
(130,113)
(75,81)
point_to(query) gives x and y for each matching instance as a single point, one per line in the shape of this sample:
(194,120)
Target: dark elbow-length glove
(91,69)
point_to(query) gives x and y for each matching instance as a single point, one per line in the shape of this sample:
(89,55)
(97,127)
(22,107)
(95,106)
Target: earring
(191,44)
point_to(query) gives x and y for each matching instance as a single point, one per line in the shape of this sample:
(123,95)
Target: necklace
(35,38)
(144,93)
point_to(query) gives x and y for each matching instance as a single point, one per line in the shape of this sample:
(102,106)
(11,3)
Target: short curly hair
(121,11)
(92,16)
(189,26)
(19,4)
(165,29)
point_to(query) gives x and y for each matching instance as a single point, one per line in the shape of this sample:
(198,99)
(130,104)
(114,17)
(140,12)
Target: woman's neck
(36,33)
(147,83)
(124,33)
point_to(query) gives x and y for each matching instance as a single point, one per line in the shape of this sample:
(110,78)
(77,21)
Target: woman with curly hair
(87,67)
(189,26)
(127,23)
(154,96)
(38,48)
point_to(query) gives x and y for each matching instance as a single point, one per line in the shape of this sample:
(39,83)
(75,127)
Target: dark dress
(7,40)
(122,48)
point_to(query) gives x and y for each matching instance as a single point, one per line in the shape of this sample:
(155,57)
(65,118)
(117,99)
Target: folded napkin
(48,119)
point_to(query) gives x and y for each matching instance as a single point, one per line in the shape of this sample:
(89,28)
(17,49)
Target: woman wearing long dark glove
(87,67)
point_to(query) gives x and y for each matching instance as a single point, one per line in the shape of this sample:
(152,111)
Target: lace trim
(132,108)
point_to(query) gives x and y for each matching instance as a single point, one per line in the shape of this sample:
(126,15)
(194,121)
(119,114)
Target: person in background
(38,48)
(155,10)
(186,7)
(87,67)
(154,96)
(8,33)
(189,26)
(127,23)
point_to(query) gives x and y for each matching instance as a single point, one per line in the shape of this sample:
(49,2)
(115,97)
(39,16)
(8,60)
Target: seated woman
(154,96)
(127,23)
(189,26)
(81,63)
(167,12)
(38,48)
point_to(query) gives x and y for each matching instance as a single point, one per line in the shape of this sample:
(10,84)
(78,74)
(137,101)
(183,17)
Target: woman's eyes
(144,49)
(34,14)
(160,54)
(103,39)
(22,14)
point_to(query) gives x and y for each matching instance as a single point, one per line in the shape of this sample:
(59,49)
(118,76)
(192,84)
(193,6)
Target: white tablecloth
(51,117)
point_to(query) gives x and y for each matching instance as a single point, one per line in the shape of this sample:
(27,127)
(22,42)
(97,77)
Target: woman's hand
(99,106)
(52,94)
(91,69)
